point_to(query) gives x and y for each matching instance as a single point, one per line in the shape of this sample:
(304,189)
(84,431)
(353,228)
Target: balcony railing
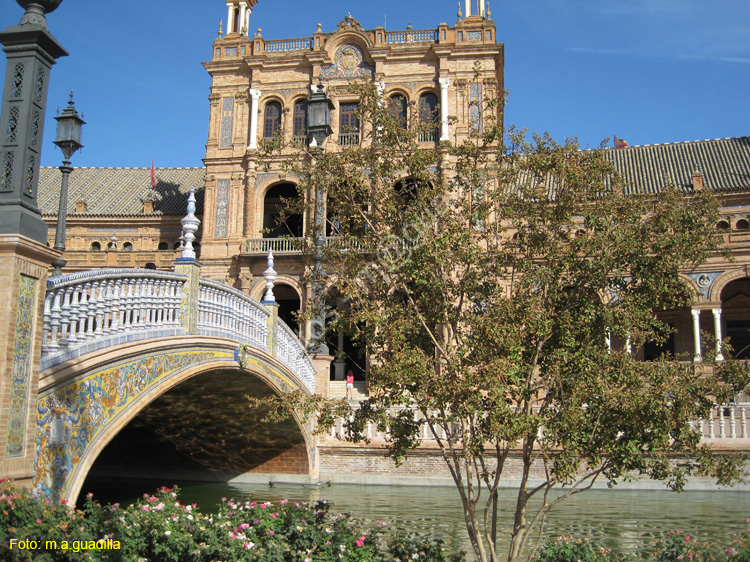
(280,45)
(349,139)
(262,246)
(412,36)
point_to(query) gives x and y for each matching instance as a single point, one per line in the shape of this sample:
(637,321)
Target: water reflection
(625,520)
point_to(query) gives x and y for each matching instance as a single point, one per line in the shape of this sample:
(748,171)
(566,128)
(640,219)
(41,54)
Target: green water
(624,520)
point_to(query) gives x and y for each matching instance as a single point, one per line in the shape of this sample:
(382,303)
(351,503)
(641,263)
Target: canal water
(625,520)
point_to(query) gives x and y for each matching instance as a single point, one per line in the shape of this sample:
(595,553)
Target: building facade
(259,93)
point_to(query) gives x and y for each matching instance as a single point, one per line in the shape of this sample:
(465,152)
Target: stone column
(481,8)
(697,335)
(468,8)
(717,333)
(230,18)
(253,140)
(444,133)
(243,16)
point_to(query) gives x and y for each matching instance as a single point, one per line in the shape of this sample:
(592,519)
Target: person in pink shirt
(350,384)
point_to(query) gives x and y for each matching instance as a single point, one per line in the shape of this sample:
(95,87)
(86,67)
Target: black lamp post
(68,138)
(318,128)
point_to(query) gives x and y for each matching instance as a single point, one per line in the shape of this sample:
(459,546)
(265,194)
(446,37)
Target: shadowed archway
(202,429)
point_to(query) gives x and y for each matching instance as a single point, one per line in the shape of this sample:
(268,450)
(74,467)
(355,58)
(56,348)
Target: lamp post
(68,139)
(31,50)
(318,128)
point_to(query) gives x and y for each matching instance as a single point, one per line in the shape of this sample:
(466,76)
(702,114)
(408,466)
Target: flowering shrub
(569,549)
(681,547)
(158,528)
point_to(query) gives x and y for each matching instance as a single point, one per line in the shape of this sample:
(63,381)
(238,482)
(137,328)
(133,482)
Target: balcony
(261,246)
(349,139)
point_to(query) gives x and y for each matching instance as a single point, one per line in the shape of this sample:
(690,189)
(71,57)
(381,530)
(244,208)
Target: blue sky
(649,71)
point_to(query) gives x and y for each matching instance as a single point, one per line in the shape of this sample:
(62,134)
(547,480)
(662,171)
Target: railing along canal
(92,310)
(724,425)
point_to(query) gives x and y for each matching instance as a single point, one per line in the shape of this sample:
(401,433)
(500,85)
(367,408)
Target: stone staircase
(337,389)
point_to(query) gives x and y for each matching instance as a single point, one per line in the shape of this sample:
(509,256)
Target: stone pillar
(253,140)
(243,17)
(230,18)
(481,8)
(444,133)
(717,333)
(23,277)
(339,365)
(249,184)
(322,364)
(468,8)
(697,335)
(189,304)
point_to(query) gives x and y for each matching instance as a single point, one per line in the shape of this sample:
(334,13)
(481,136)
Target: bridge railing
(292,353)
(226,312)
(91,310)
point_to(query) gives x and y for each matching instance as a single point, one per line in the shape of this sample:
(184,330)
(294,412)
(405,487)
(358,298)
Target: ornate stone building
(260,88)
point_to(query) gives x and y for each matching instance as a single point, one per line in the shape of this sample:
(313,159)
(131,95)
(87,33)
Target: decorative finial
(320,29)
(489,14)
(221,28)
(190,226)
(112,242)
(460,13)
(270,276)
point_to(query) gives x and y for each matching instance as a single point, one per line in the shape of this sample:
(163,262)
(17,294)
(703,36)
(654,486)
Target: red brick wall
(292,461)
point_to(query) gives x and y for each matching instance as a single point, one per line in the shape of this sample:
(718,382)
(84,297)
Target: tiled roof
(724,163)
(121,191)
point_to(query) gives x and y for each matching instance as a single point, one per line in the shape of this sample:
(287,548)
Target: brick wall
(292,461)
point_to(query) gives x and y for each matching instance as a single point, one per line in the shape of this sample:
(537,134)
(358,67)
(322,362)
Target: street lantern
(68,139)
(318,116)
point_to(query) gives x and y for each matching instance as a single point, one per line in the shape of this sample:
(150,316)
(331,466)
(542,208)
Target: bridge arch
(84,403)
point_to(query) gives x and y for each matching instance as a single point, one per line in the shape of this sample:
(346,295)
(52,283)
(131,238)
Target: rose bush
(158,528)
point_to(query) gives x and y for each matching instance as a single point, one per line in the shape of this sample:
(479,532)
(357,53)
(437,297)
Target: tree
(499,287)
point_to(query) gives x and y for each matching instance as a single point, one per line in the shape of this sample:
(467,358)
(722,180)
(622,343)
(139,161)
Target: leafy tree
(500,288)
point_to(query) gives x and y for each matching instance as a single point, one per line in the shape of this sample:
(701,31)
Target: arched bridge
(114,340)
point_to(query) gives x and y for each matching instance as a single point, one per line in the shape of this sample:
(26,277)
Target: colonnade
(244,18)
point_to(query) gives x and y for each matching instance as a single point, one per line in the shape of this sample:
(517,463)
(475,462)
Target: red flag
(621,143)
(153,174)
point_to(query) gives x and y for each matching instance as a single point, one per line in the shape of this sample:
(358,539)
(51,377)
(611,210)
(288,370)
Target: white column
(444,133)
(243,14)
(230,18)
(246,20)
(717,333)
(697,335)
(253,140)
(468,8)
(481,8)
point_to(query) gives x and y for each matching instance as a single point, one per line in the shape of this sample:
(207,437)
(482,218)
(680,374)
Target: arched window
(96,247)
(272,119)
(398,109)
(742,224)
(163,245)
(300,122)
(127,246)
(722,226)
(428,116)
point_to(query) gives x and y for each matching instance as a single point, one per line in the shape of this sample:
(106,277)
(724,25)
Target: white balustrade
(100,308)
